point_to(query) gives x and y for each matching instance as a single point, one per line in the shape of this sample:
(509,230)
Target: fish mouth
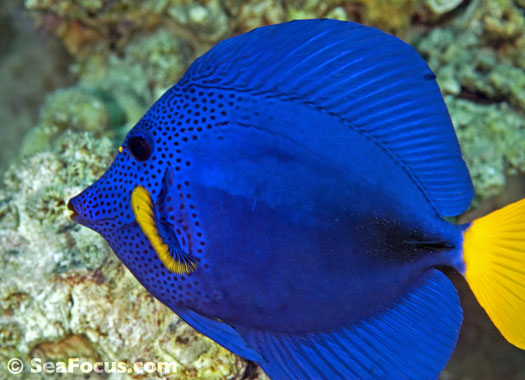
(74,214)
(76,217)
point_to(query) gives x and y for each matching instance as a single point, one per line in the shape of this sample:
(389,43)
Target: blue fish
(287,197)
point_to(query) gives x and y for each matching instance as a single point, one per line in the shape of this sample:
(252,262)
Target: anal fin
(412,340)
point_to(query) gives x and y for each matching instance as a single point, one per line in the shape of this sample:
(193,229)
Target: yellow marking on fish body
(120,149)
(142,206)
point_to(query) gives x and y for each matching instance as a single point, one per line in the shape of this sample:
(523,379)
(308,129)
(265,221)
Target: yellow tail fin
(494,254)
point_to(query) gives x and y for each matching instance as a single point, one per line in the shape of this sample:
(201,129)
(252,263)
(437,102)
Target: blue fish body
(292,189)
(286,205)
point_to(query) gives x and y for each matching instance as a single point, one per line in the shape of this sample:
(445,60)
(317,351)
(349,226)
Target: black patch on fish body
(397,241)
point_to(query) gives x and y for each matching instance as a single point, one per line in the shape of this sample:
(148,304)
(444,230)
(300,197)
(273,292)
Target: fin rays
(410,341)
(173,258)
(494,254)
(370,81)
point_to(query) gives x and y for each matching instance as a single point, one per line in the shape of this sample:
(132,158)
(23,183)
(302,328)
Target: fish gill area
(77,75)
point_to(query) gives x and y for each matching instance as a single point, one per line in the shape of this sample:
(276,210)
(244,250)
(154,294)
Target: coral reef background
(76,75)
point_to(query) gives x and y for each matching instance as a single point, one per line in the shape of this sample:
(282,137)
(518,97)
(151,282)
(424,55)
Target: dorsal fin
(373,82)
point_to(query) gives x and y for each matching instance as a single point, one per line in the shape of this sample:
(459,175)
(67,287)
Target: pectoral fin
(162,239)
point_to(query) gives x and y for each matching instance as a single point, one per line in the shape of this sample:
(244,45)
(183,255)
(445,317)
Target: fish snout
(80,211)
(89,210)
(75,207)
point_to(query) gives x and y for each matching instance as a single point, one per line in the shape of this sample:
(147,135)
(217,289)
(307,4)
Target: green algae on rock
(440,7)
(393,16)
(205,20)
(75,108)
(78,108)
(95,26)
(492,138)
(132,81)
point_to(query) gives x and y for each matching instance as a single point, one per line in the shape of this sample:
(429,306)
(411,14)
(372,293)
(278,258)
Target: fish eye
(140,148)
